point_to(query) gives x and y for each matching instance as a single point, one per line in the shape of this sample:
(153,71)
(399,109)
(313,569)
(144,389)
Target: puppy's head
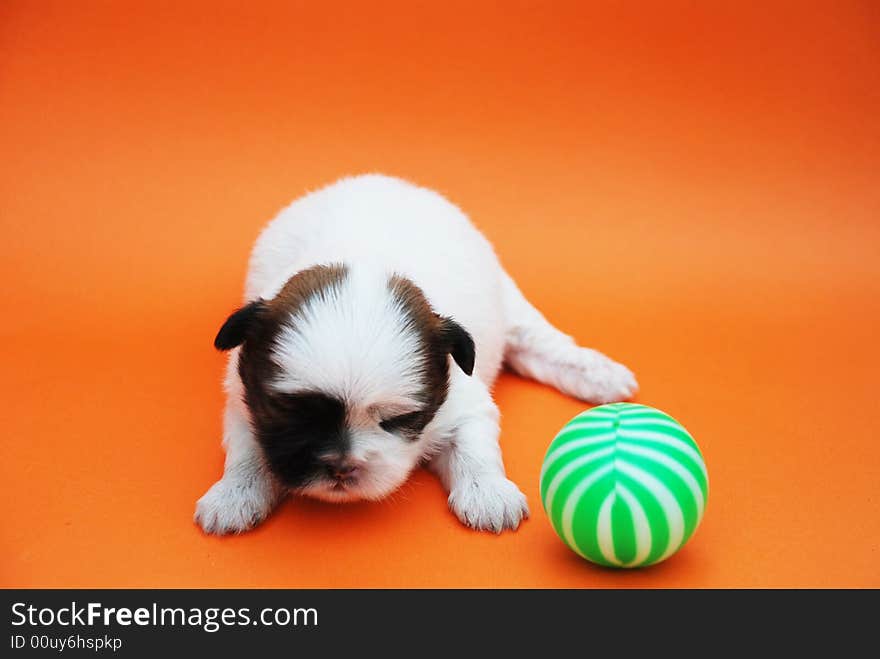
(342,371)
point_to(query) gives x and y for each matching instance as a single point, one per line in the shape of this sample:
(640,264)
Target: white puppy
(376,320)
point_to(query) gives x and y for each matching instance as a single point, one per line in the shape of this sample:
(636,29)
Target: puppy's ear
(238,325)
(458,343)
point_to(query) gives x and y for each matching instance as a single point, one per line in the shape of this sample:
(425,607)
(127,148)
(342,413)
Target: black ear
(237,326)
(458,343)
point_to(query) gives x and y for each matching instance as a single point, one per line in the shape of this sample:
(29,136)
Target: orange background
(691,187)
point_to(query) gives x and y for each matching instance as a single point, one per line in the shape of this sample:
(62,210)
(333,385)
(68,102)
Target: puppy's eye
(403,422)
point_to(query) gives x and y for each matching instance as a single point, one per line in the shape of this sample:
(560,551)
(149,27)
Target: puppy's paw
(593,377)
(490,503)
(234,505)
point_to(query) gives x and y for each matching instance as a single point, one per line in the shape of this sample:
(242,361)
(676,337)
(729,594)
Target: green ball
(624,485)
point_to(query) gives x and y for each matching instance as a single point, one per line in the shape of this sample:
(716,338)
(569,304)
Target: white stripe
(571,446)
(654,421)
(611,409)
(666,440)
(671,509)
(604,533)
(572,502)
(595,413)
(640,525)
(565,472)
(584,425)
(672,465)
(625,408)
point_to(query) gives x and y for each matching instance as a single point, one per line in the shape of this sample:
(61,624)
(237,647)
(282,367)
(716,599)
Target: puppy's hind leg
(536,349)
(248,492)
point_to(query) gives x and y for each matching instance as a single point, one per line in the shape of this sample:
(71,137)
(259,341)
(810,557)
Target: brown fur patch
(429,327)
(255,365)
(305,285)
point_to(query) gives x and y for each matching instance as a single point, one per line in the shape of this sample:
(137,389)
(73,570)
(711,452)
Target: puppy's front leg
(248,492)
(470,465)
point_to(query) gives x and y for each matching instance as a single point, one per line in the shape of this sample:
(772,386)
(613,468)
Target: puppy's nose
(342,470)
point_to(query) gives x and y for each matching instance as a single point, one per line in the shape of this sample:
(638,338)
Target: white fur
(247,492)
(354,343)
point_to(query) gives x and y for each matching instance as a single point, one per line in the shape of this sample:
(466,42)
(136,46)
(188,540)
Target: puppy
(376,319)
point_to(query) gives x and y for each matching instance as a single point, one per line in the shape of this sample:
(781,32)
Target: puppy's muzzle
(342,471)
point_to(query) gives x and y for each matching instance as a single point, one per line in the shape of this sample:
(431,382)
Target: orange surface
(691,187)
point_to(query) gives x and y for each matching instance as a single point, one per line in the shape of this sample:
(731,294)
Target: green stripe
(586,517)
(623,530)
(553,469)
(674,452)
(678,487)
(654,512)
(683,459)
(569,482)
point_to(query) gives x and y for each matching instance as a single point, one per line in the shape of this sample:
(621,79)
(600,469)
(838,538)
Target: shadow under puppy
(377,318)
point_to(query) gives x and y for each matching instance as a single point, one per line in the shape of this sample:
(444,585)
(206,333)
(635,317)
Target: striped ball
(624,485)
